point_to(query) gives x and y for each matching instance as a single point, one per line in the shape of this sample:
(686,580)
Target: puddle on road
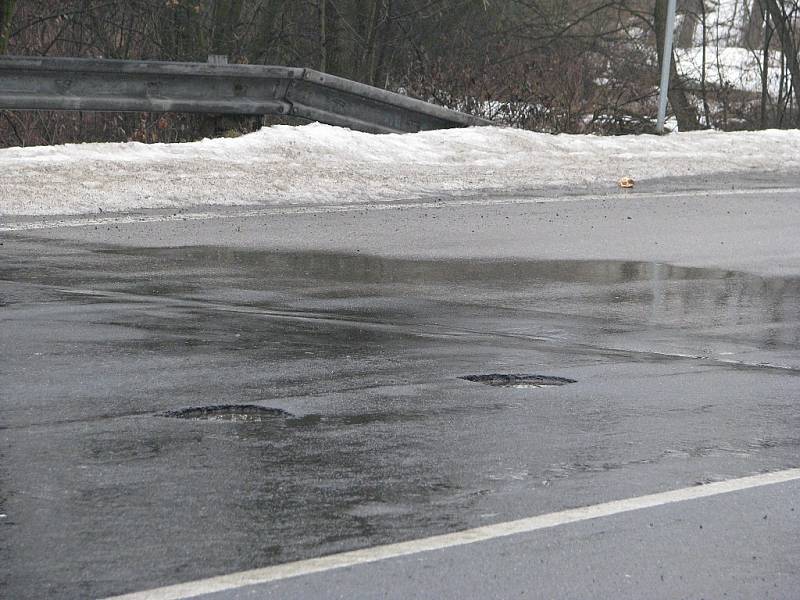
(588,299)
(358,268)
(619,297)
(648,282)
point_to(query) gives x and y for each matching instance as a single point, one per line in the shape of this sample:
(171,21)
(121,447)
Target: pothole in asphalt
(519,381)
(239,413)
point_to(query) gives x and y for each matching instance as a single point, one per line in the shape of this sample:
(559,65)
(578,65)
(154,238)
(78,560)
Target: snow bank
(319,164)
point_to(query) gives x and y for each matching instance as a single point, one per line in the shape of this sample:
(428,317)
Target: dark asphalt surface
(680,324)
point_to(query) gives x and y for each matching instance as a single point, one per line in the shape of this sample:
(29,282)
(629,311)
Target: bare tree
(6,15)
(550,65)
(782,23)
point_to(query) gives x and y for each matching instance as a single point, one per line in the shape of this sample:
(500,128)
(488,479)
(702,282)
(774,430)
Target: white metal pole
(666,64)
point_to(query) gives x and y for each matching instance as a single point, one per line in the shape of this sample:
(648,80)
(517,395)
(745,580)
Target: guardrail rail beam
(50,83)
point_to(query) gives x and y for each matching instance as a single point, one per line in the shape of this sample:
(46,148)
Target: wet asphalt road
(678,317)
(721,547)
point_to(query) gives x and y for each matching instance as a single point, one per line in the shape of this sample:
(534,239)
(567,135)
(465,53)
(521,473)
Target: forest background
(558,66)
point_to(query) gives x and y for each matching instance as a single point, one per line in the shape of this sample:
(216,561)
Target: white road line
(461,538)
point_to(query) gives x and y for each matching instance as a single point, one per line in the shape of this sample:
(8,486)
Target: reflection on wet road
(359,429)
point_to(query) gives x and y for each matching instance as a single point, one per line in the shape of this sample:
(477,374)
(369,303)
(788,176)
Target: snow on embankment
(319,164)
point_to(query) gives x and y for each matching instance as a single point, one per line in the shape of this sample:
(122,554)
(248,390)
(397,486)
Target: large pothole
(517,380)
(239,413)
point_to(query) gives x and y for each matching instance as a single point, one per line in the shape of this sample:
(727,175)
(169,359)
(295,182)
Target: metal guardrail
(45,83)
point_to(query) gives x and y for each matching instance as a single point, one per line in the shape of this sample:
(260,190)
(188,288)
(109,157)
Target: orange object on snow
(626,182)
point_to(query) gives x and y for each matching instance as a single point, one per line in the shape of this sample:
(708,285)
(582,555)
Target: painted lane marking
(461,538)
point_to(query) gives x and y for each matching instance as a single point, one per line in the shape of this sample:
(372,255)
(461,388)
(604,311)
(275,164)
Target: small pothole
(519,381)
(239,413)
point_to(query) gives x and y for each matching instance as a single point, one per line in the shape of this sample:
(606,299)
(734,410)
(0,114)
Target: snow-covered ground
(323,165)
(727,62)
(737,68)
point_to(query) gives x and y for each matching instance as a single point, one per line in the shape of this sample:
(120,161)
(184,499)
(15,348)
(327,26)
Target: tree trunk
(385,37)
(6,14)
(323,36)
(691,17)
(703,87)
(755,26)
(329,58)
(684,113)
(370,51)
(226,17)
(781,25)
(765,68)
